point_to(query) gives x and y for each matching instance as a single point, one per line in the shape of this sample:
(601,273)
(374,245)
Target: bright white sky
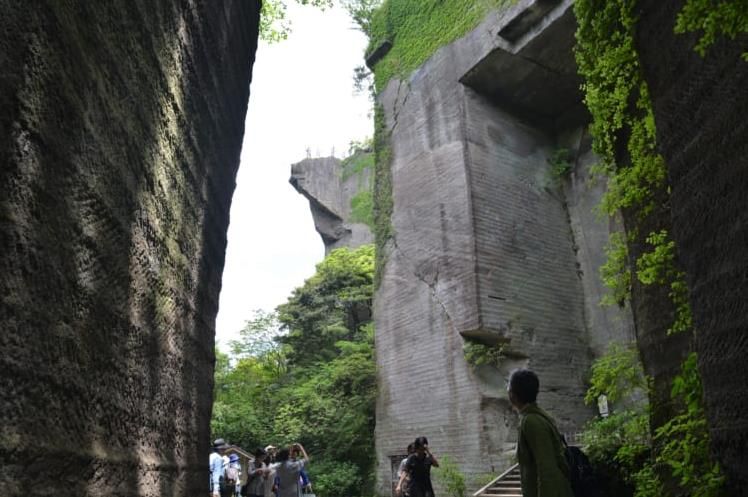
(301,97)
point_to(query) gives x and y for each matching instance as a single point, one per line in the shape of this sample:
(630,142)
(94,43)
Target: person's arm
(403,475)
(539,439)
(434,462)
(303,451)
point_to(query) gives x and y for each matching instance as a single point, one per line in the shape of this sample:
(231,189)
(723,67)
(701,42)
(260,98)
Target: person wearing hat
(234,473)
(258,472)
(216,466)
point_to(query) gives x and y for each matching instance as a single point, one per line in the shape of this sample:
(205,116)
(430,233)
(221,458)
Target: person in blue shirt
(216,466)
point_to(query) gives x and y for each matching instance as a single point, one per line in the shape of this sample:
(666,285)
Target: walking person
(415,481)
(288,471)
(540,452)
(401,469)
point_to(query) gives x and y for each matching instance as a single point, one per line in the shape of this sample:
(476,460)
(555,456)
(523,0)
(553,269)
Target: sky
(301,97)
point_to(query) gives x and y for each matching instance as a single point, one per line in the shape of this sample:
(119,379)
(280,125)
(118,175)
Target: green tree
(306,373)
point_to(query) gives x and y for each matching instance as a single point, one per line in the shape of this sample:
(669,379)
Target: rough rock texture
(487,245)
(329,189)
(700,106)
(121,126)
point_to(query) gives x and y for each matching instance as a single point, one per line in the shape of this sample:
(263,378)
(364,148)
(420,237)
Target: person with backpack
(232,475)
(544,470)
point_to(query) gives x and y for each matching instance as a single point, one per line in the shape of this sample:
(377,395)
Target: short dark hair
(283,455)
(524,384)
(411,448)
(420,442)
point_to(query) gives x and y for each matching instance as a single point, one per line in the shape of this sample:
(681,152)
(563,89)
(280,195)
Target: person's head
(234,458)
(259,454)
(523,387)
(420,445)
(283,455)
(220,445)
(411,448)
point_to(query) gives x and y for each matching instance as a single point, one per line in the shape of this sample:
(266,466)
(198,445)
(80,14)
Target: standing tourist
(540,453)
(415,481)
(216,466)
(288,471)
(257,474)
(401,472)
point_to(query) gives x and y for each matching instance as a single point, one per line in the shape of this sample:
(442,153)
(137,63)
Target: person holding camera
(415,480)
(288,470)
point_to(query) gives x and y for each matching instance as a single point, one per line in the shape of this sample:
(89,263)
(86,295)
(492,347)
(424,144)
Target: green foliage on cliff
(382,199)
(479,354)
(356,163)
(712,19)
(622,117)
(417,28)
(623,126)
(362,205)
(306,373)
(621,443)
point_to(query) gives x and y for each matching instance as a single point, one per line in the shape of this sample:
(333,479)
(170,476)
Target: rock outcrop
(121,126)
(488,245)
(339,195)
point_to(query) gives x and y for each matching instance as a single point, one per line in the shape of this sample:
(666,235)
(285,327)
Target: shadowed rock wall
(120,125)
(700,107)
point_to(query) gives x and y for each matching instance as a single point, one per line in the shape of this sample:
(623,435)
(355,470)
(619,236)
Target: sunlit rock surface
(331,191)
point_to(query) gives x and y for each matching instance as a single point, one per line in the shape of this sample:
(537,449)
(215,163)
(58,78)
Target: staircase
(506,485)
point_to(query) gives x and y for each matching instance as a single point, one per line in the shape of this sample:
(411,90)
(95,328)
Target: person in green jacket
(540,453)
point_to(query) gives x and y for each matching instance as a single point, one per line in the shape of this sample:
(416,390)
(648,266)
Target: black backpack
(582,477)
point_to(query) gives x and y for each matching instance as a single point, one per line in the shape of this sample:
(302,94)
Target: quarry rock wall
(121,126)
(331,189)
(700,104)
(488,245)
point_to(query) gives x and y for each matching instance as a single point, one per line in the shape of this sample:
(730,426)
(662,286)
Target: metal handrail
(496,480)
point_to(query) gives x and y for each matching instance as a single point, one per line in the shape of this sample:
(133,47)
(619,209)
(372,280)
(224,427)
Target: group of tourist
(271,472)
(544,470)
(414,474)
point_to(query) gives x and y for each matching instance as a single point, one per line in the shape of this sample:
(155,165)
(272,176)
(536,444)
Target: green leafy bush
(450,477)
(362,205)
(478,354)
(712,19)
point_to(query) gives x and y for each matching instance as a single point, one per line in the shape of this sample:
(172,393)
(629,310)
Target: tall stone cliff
(121,126)
(700,106)
(488,245)
(339,194)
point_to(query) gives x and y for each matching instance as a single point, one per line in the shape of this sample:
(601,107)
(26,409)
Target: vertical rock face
(488,245)
(337,195)
(121,127)
(700,106)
